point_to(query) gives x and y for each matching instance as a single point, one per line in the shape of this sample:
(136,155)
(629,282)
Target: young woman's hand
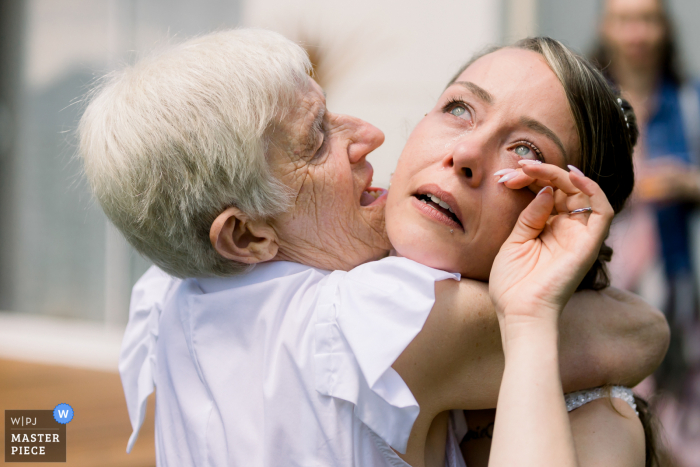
(550,249)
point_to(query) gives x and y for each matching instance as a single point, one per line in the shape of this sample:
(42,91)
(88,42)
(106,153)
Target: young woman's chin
(422,247)
(427,248)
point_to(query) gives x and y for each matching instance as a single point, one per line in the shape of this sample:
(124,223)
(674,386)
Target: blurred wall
(62,259)
(384,62)
(575,23)
(11,54)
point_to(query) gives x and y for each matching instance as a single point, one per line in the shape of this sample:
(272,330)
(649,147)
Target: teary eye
(522,150)
(458,108)
(458,111)
(527,150)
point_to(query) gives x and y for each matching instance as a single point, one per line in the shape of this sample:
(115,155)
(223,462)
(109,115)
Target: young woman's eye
(458,111)
(527,151)
(523,151)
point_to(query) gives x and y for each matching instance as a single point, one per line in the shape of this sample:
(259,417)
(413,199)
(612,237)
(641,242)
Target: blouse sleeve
(137,357)
(365,320)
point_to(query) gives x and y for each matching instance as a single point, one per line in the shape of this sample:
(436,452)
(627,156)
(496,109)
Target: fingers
(602,214)
(516,179)
(533,218)
(567,197)
(537,175)
(573,191)
(556,176)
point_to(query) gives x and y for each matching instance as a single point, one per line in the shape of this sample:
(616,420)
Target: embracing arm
(621,341)
(456,361)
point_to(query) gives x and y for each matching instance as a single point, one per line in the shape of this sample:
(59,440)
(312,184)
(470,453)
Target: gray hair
(172,141)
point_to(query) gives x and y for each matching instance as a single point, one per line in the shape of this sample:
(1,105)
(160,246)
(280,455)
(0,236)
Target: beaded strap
(576,399)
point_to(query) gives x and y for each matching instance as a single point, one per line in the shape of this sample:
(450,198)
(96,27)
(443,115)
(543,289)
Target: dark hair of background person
(606,127)
(669,64)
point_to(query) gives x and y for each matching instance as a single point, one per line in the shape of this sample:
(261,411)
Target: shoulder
(148,298)
(386,291)
(153,285)
(390,283)
(397,270)
(607,431)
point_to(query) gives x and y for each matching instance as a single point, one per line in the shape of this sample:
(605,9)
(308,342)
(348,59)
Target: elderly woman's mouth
(371,195)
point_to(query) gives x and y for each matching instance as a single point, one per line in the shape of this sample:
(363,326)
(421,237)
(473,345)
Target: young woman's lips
(434,214)
(372,196)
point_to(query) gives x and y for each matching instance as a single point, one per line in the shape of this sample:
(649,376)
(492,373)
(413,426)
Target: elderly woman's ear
(237,237)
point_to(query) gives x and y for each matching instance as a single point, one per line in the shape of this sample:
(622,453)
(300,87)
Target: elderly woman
(219,161)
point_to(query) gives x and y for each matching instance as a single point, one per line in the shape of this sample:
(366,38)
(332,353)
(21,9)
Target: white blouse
(284,365)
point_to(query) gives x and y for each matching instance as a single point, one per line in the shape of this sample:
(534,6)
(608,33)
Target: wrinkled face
(634,30)
(337,220)
(445,208)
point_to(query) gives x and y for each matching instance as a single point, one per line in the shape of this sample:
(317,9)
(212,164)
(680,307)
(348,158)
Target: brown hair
(606,127)
(655,453)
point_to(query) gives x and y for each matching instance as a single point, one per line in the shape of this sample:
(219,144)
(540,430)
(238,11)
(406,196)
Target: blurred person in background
(637,51)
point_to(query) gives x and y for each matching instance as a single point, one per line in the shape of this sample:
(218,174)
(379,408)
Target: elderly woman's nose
(365,139)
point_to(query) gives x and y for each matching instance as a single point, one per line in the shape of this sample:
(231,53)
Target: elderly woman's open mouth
(371,195)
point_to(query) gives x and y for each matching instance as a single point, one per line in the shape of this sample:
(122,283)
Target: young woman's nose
(364,138)
(467,160)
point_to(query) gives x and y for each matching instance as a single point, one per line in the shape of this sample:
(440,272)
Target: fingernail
(575,170)
(529,162)
(547,188)
(507,177)
(504,171)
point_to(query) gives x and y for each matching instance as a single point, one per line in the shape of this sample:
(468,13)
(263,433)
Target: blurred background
(65,274)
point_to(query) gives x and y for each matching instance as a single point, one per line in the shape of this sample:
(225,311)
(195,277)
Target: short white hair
(172,141)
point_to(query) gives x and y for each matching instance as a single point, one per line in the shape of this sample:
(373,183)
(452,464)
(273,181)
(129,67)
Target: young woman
(522,114)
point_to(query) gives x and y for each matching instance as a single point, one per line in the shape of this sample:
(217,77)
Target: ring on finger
(582,210)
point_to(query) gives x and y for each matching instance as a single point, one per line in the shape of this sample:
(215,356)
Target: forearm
(456,361)
(532,427)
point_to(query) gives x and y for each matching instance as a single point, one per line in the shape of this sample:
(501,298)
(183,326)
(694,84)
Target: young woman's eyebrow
(478,91)
(538,127)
